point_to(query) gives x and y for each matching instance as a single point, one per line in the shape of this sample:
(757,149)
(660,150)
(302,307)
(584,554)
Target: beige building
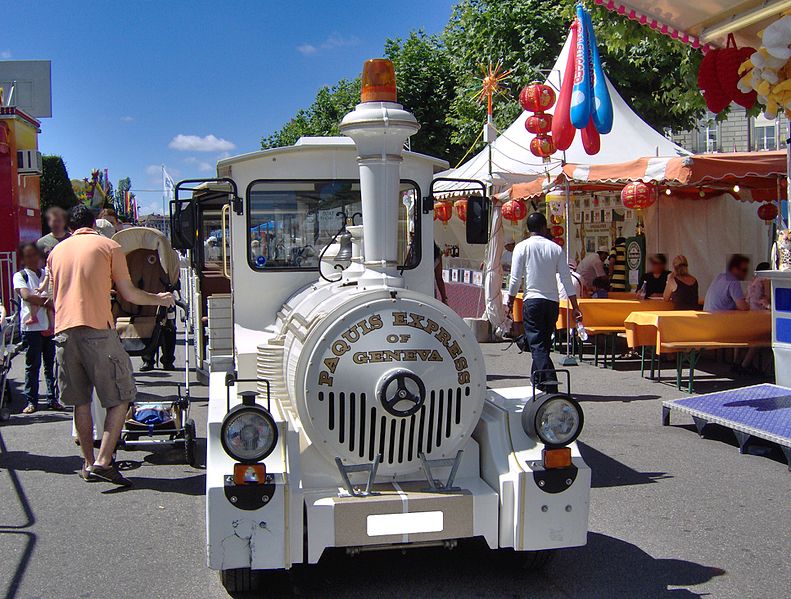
(737,133)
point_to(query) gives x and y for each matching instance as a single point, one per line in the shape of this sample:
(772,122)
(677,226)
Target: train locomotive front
(360,418)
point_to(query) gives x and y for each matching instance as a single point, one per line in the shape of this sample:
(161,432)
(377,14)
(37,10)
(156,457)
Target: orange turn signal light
(557,458)
(378,81)
(249,474)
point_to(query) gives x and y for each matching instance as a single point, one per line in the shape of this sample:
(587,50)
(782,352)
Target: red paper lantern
(461,209)
(767,212)
(542,146)
(539,123)
(537,97)
(557,231)
(559,241)
(638,195)
(514,210)
(443,211)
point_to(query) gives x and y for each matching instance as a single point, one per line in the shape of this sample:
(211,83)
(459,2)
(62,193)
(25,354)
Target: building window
(765,137)
(708,137)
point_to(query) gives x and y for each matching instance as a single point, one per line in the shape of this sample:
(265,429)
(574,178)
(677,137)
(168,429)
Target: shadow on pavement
(605,568)
(609,472)
(188,485)
(23,461)
(16,530)
(621,399)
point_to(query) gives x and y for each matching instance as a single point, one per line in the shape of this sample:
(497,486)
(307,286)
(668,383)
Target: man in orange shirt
(82,270)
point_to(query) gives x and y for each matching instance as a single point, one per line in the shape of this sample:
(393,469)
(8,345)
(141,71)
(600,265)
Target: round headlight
(555,420)
(248,434)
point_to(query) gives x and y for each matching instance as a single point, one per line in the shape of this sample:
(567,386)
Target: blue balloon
(601,109)
(582,92)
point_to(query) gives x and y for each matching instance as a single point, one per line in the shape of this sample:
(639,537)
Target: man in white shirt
(576,280)
(591,267)
(537,261)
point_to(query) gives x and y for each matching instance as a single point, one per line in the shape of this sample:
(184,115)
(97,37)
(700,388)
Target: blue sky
(141,83)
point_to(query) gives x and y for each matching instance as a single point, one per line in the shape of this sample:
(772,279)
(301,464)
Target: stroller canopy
(144,238)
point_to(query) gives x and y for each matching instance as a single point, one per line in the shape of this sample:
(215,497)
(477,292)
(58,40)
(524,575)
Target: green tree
(56,189)
(426,83)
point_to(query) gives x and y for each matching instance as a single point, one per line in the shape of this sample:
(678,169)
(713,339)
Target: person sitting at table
(681,287)
(592,266)
(653,282)
(601,288)
(725,292)
(759,292)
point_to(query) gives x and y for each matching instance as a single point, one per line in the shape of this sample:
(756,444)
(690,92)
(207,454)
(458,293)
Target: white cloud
(307,49)
(333,41)
(195,143)
(127,119)
(5,54)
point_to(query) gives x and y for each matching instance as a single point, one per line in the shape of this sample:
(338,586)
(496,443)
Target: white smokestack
(379,129)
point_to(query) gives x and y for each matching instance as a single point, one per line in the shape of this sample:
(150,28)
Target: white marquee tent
(512,162)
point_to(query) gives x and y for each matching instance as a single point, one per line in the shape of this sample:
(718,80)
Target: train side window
(290,222)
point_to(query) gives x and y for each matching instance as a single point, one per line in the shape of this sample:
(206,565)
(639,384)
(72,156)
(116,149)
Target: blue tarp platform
(759,411)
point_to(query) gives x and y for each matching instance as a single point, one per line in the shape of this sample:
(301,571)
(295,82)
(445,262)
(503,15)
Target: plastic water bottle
(583,334)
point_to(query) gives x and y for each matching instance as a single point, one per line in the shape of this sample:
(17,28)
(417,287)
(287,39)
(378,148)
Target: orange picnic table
(688,333)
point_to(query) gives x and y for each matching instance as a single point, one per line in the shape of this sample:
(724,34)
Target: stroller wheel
(189,442)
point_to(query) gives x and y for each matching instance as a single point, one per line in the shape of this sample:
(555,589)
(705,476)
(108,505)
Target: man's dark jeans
(540,317)
(38,349)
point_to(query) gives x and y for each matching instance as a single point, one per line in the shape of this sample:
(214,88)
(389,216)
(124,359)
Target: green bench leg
(642,361)
(679,367)
(595,350)
(653,357)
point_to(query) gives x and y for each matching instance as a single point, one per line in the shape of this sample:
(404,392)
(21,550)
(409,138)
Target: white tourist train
(347,406)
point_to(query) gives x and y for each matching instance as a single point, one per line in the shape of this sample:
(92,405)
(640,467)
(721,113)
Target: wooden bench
(689,352)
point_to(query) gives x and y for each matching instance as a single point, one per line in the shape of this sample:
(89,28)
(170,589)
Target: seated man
(725,291)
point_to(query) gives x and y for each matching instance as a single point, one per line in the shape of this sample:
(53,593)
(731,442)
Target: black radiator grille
(369,431)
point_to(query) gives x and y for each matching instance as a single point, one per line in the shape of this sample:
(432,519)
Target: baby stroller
(7,352)
(154,267)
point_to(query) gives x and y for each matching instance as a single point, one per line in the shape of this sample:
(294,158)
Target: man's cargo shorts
(91,358)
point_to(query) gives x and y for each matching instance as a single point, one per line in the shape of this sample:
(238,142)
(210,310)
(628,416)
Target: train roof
(327,143)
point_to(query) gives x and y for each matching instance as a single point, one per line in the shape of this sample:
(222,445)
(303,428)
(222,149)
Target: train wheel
(533,561)
(189,442)
(238,580)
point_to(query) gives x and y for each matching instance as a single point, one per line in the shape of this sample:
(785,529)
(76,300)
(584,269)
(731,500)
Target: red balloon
(638,195)
(767,212)
(590,139)
(562,130)
(514,210)
(443,211)
(542,146)
(537,97)
(539,123)
(461,209)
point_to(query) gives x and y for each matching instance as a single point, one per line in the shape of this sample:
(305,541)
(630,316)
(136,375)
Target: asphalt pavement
(672,514)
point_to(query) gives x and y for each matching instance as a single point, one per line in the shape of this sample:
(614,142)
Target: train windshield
(290,222)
